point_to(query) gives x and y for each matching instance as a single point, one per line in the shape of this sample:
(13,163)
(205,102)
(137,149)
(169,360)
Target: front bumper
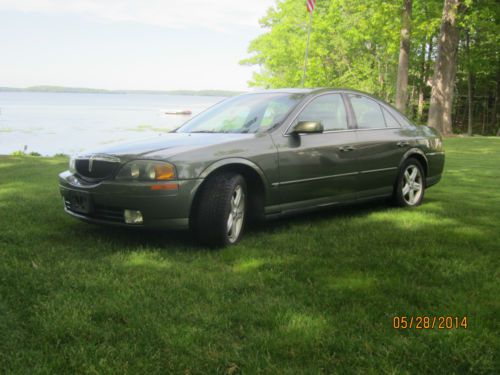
(108,199)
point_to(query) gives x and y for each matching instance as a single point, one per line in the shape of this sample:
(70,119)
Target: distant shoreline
(83,90)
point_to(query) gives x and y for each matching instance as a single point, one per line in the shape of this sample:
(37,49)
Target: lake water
(50,123)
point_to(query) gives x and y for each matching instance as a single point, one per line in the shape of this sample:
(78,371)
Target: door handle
(346,148)
(402,143)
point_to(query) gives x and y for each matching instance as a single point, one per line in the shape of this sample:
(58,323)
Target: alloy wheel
(236,214)
(412,185)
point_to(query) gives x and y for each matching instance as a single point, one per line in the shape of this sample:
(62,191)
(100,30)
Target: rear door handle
(402,144)
(346,148)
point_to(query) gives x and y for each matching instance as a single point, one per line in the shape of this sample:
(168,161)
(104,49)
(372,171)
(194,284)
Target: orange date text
(429,322)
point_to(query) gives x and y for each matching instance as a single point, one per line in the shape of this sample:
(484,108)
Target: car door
(318,168)
(380,146)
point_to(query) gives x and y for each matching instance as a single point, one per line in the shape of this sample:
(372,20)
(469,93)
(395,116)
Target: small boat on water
(177,112)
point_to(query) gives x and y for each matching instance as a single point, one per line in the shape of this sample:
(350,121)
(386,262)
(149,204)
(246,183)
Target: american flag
(310,5)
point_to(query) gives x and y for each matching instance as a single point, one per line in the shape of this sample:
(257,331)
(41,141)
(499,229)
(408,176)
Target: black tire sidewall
(213,208)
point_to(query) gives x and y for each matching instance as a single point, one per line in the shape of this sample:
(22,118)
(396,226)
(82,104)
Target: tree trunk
(421,84)
(469,85)
(445,70)
(425,76)
(404,56)
(494,111)
(410,108)
(485,115)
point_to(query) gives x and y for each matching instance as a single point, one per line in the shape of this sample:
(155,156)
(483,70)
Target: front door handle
(402,144)
(346,148)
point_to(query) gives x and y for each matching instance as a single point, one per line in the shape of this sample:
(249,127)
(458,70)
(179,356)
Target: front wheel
(410,186)
(221,210)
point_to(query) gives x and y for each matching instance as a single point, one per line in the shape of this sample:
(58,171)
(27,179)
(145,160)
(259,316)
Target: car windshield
(248,113)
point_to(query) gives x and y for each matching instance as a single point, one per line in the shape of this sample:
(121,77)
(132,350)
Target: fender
(413,150)
(229,161)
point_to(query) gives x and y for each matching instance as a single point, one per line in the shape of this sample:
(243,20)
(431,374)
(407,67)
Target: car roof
(310,91)
(284,90)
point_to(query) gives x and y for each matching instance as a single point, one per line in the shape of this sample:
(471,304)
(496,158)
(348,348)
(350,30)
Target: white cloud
(178,14)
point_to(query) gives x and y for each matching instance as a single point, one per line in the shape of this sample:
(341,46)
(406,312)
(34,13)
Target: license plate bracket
(80,202)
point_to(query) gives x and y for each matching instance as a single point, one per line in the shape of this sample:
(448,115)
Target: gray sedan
(256,156)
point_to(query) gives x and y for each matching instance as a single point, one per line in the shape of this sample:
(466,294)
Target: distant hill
(84,90)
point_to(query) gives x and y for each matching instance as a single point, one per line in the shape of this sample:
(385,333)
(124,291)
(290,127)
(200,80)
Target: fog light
(133,217)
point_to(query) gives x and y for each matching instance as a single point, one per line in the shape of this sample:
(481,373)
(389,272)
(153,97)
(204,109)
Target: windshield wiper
(204,131)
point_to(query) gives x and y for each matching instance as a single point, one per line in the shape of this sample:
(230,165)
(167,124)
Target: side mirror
(308,127)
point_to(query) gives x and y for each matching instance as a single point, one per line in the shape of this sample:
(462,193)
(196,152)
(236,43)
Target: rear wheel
(410,186)
(219,218)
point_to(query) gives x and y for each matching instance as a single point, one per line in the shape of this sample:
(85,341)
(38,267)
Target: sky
(128,44)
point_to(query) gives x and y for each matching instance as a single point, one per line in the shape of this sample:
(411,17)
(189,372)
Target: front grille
(97,168)
(100,212)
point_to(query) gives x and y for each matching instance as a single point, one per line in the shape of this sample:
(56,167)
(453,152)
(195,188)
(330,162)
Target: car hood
(167,145)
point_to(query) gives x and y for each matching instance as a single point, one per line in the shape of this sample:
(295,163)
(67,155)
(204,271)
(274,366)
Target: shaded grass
(309,294)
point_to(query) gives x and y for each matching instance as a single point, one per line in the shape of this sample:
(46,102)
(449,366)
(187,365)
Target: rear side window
(329,109)
(400,118)
(368,112)
(390,121)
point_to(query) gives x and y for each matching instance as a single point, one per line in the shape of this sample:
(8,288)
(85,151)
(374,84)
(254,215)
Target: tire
(223,197)
(410,186)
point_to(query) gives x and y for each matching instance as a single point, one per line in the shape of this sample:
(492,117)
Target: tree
(354,43)
(404,56)
(469,85)
(364,45)
(425,23)
(479,62)
(425,61)
(440,109)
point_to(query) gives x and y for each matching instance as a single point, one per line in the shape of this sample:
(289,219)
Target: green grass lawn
(310,294)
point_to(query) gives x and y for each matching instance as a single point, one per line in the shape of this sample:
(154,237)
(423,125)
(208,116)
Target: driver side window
(328,109)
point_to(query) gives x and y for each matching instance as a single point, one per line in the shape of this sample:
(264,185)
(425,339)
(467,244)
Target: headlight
(145,170)
(72,167)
